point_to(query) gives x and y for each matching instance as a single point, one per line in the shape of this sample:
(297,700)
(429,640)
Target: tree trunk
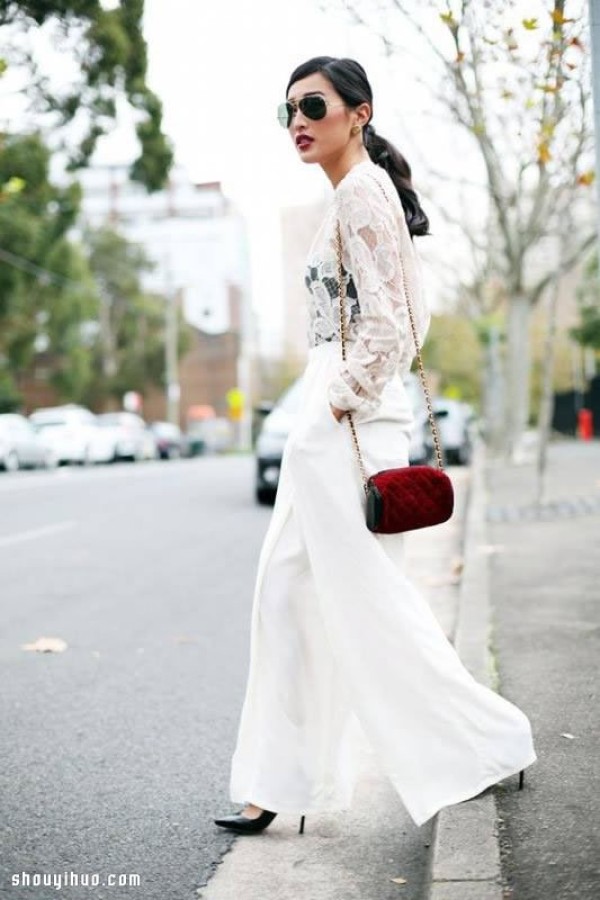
(547,398)
(493,389)
(109,362)
(517,375)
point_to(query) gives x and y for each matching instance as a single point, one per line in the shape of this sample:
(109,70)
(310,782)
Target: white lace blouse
(376,250)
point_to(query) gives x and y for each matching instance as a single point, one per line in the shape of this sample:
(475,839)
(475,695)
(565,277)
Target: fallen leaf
(46,645)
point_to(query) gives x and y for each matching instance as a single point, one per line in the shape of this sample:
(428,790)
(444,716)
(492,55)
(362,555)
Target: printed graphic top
(378,259)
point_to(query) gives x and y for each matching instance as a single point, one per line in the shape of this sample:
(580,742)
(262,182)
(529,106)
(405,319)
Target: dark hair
(350,81)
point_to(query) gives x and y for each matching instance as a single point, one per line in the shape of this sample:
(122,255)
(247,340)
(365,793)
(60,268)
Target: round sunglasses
(313,107)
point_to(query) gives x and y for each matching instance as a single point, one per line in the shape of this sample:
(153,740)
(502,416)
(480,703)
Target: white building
(191,231)
(199,244)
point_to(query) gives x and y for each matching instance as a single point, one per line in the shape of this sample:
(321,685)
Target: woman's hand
(338,413)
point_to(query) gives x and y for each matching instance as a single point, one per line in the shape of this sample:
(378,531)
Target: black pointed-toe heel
(301,829)
(521,777)
(244,825)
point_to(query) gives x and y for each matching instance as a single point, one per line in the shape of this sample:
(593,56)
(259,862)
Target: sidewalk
(545,592)
(525,619)
(529,624)
(375,851)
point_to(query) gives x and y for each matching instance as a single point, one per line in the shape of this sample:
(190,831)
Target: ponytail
(384,154)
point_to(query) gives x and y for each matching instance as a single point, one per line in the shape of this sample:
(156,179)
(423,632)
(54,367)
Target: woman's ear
(364,114)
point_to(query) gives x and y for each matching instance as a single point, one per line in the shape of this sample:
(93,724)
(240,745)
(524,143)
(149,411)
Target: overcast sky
(221,67)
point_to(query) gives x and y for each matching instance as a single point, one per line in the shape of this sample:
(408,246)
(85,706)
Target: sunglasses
(313,107)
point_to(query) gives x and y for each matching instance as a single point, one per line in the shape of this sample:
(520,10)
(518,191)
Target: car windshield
(50,423)
(165,430)
(109,419)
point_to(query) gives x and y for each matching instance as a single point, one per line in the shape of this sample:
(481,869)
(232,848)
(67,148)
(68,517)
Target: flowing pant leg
(440,735)
(299,744)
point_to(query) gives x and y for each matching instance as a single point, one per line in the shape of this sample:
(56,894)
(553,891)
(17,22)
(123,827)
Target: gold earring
(355,129)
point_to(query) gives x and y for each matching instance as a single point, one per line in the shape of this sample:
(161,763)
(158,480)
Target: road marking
(34,533)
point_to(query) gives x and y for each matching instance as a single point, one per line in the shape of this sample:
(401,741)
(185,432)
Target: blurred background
(155,217)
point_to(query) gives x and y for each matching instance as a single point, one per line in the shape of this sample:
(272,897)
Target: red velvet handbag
(408,497)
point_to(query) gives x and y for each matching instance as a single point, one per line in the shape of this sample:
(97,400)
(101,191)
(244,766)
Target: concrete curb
(465,852)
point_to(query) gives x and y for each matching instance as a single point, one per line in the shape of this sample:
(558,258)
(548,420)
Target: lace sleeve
(371,251)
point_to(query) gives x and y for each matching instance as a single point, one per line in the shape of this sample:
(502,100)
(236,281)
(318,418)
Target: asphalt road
(115,753)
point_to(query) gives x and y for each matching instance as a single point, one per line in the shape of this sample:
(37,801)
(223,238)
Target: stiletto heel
(301,829)
(521,776)
(244,825)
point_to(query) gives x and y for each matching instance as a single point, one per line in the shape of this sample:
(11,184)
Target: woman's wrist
(338,413)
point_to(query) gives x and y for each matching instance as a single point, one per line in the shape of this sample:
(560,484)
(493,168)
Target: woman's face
(316,141)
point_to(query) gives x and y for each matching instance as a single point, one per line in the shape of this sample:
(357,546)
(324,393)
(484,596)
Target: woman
(343,647)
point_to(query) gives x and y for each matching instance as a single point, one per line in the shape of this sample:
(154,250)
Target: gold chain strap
(342,296)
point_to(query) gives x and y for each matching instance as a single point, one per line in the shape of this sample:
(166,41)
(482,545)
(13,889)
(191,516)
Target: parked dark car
(271,441)
(169,440)
(277,424)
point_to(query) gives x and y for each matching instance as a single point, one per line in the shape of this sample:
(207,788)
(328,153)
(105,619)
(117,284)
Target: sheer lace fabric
(379,263)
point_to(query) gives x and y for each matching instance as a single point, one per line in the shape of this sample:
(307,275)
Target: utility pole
(172,301)
(246,354)
(594,7)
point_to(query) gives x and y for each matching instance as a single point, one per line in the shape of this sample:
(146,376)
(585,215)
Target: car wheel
(265,496)
(11,462)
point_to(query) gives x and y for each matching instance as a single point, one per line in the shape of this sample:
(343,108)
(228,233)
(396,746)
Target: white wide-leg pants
(344,650)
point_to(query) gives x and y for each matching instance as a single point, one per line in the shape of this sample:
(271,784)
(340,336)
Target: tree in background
(519,89)
(587,333)
(109,52)
(46,292)
(129,350)
(453,350)
(81,308)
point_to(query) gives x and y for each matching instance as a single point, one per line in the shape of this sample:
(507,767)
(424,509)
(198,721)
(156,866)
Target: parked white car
(131,436)
(73,434)
(455,423)
(20,445)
